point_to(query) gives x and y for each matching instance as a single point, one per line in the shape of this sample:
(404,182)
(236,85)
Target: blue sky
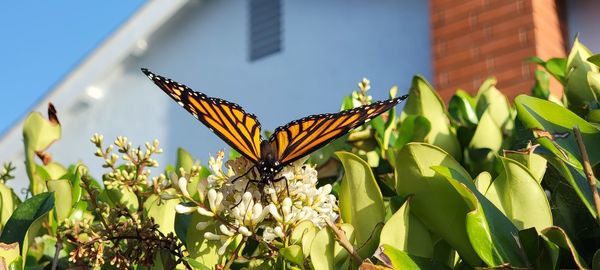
(43,40)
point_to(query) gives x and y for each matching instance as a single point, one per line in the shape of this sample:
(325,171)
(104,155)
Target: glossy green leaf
(293,253)
(541,88)
(361,202)
(407,233)
(424,100)
(593,78)
(536,164)
(461,109)
(25,214)
(557,67)
(414,128)
(9,253)
(7,204)
(304,233)
(594,59)
(577,89)
(557,236)
(74,175)
(488,134)
(390,123)
(63,201)
(38,134)
(491,100)
(596,258)
(163,212)
(519,196)
(434,201)
(492,234)
(321,250)
(545,115)
(55,170)
(196,264)
(200,248)
(399,259)
(124,196)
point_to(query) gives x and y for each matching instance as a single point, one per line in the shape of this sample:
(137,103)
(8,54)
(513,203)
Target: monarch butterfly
(288,143)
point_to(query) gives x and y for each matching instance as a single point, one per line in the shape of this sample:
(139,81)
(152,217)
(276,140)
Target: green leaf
(25,214)
(321,251)
(293,253)
(414,128)
(361,202)
(541,88)
(196,264)
(407,233)
(462,110)
(577,89)
(163,211)
(434,201)
(545,115)
(390,124)
(519,196)
(490,99)
(594,59)
(123,196)
(424,100)
(7,203)
(63,200)
(596,260)
(536,164)
(304,233)
(488,134)
(492,234)
(8,253)
(557,67)
(557,236)
(200,248)
(402,260)
(38,134)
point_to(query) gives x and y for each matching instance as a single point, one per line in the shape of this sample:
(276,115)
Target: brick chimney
(475,39)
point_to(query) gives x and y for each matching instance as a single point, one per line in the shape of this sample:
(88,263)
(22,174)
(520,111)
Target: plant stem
(58,246)
(589,173)
(341,238)
(234,254)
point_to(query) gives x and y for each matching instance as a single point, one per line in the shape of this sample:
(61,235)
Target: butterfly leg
(249,170)
(287,188)
(246,189)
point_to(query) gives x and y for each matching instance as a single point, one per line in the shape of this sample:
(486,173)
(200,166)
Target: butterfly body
(287,144)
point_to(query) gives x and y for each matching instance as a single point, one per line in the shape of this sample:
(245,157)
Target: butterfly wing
(228,120)
(301,137)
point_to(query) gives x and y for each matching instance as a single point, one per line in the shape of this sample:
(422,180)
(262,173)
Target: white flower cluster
(239,208)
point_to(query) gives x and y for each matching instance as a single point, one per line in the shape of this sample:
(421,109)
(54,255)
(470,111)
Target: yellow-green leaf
(361,202)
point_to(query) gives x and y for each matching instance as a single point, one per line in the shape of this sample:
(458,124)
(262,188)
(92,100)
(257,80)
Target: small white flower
(205,212)
(202,225)
(183,209)
(182,183)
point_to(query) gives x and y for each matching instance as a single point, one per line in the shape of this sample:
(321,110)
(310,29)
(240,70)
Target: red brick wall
(475,39)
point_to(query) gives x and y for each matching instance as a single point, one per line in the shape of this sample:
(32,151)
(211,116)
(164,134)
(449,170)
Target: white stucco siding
(582,18)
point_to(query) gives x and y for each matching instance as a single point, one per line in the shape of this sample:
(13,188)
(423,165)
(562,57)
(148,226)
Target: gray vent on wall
(265,28)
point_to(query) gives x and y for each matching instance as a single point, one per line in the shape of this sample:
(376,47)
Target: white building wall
(582,18)
(328,46)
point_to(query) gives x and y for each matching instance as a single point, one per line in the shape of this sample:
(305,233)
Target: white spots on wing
(180,103)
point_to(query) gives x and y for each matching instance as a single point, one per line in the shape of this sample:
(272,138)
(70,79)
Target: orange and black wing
(228,120)
(301,137)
